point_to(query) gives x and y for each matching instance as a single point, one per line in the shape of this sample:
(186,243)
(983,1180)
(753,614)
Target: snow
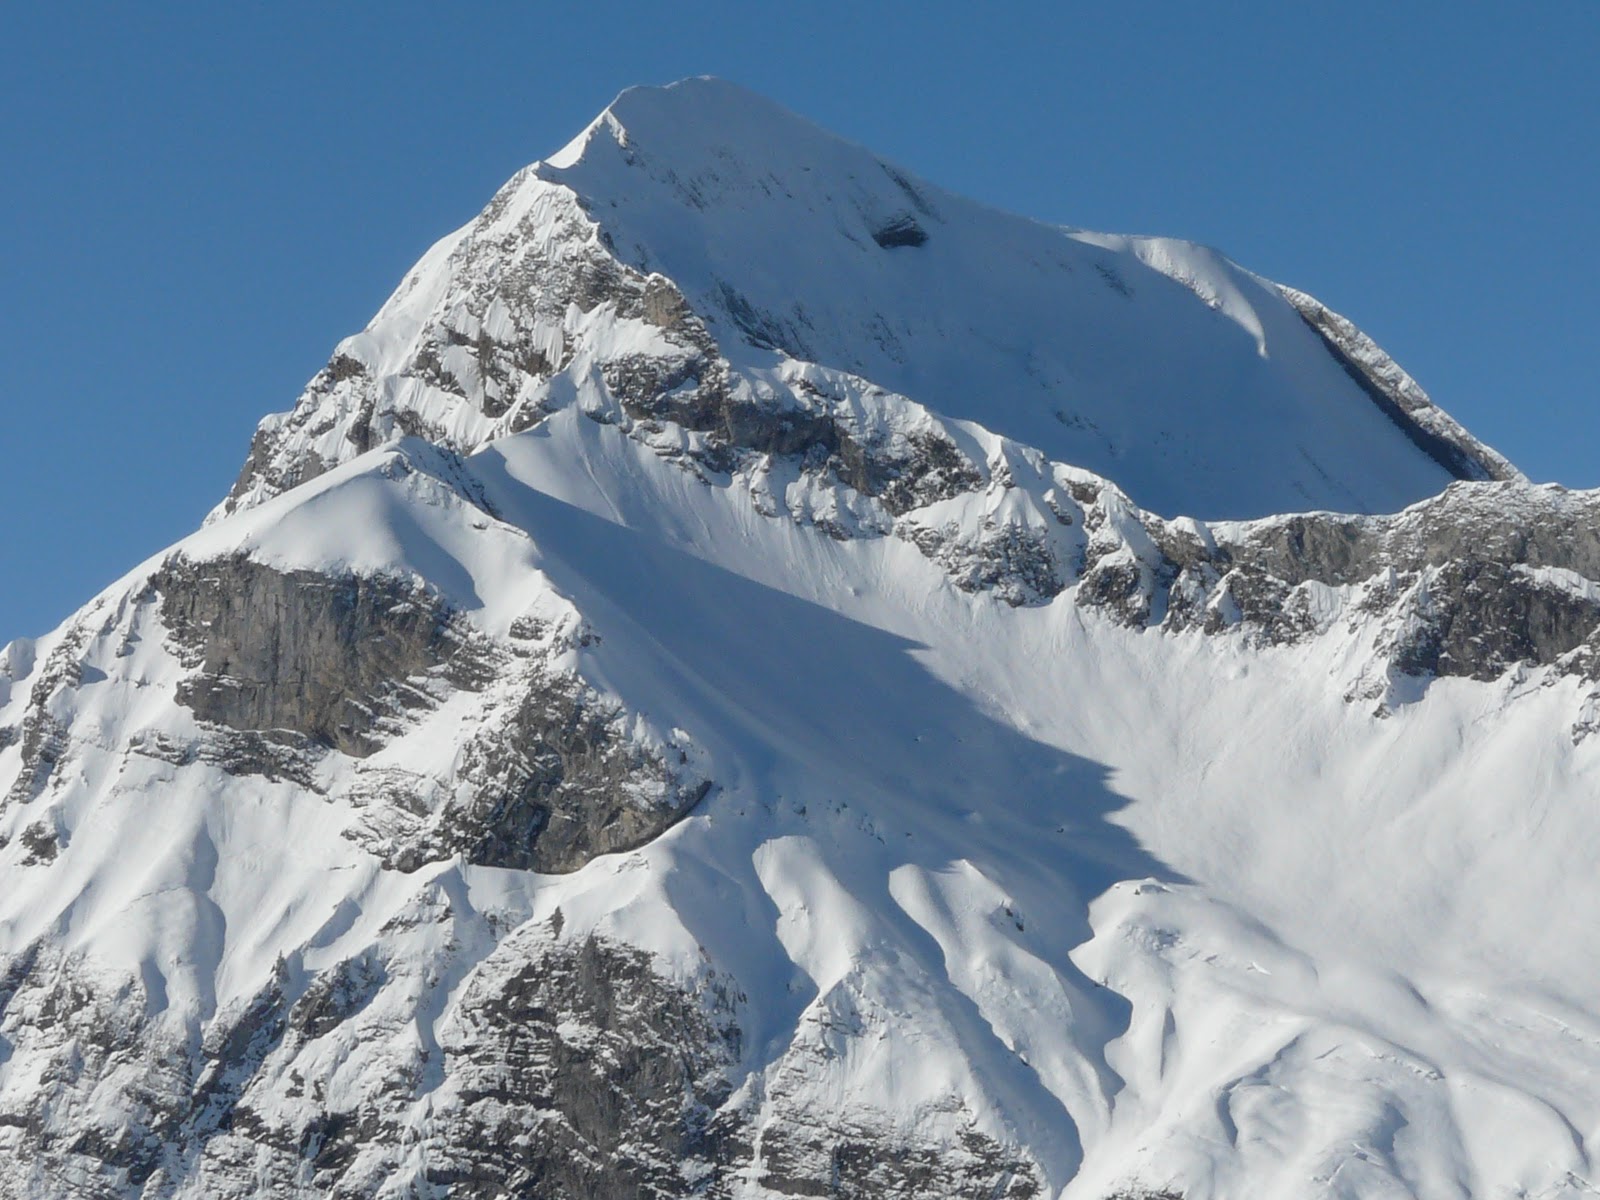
(1165,910)
(1155,362)
(935,839)
(1197,386)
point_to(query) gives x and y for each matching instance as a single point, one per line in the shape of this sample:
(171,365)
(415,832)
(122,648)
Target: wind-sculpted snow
(593,755)
(911,945)
(696,240)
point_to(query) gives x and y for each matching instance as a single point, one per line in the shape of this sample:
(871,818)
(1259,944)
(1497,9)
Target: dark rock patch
(1399,399)
(336,659)
(559,782)
(1479,618)
(336,995)
(583,1072)
(42,841)
(900,230)
(855,1162)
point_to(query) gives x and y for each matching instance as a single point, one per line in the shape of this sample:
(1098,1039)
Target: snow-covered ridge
(1196,386)
(599,751)
(1400,397)
(745,633)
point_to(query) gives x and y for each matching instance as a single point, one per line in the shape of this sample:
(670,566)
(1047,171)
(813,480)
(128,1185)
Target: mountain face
(700,257)
(756,677)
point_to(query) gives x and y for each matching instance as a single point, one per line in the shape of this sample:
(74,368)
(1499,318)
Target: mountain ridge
(1191,427)
(591,753)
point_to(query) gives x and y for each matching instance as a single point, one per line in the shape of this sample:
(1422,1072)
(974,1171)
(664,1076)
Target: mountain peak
(672,711)
(683,117)
(1198,386)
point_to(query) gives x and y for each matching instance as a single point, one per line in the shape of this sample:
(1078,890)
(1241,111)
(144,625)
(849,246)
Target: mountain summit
(756,677)
(1201,389)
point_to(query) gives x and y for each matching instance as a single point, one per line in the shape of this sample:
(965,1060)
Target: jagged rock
(43,738)
(579,1071)
(337,660)
(323,952)
(852,1161)
(901,230)
(558,781)
(42,840)
(1398,396)
(336,995)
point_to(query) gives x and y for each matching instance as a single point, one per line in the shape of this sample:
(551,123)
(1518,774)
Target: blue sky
(198,201)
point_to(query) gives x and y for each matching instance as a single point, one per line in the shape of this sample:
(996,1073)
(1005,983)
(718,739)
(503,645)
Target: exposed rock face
(337,660)
(1475,581)
(292,662)
(481,363)
(568,1070)
(1399,397)
(900,230)
(1480,618)
(851,1159)
(1482,578)
(564,1069)
(581,1072)
(560,782)
(43,736)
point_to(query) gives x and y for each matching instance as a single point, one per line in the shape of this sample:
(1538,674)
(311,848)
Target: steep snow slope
(1013,898)
(1153,361)
(1197,386)
(591,754)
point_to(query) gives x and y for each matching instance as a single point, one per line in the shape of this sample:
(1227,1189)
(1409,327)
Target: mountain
(742,248)
(756,677)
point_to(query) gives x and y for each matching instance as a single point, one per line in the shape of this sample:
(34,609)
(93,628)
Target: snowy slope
(1137,906)
(1200,388)
(1153,361)
(593,755)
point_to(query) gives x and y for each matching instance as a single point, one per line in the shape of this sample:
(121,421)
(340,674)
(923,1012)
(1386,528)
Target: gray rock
(1398,396)
(337,660)
(558,781)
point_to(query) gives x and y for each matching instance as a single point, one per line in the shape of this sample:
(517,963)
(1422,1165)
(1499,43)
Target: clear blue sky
(198,201)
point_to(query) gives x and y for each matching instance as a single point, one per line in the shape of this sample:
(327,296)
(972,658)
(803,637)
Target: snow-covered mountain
(697,247)
(757,677)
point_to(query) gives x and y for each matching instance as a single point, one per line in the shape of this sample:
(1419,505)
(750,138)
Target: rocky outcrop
(579,1071)
(478,363)
(564,1068)
(43,736)
(559,781)
(568,1070)
(339,660)
(1478,579)
(1399,397)
(291,664)
(1473,583)
(900,230)
(851,1159)
(554,776)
